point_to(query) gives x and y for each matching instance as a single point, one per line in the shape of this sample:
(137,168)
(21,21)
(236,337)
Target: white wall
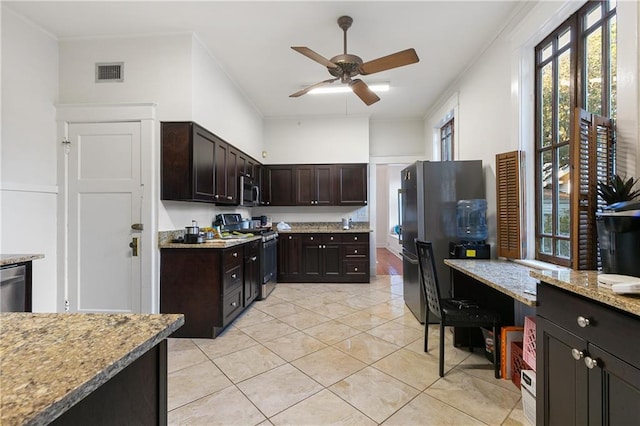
(28,165)
(396,137)
(316,140)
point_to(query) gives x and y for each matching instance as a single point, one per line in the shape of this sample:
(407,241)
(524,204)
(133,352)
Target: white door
(104,206)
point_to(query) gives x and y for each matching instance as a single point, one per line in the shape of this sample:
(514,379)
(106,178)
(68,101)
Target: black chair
(452,312)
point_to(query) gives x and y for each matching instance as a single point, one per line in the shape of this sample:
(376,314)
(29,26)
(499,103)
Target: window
(446,141)
(575,68)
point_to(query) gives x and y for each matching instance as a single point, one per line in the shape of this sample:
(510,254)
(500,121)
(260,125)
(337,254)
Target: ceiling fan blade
(361,89)
(313,86)
(315,56)
(395,60)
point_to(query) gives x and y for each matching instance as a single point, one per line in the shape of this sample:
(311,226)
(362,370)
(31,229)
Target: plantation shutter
(508,195)
(591,161)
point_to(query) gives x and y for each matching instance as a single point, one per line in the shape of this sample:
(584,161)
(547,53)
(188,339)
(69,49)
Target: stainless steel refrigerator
(427,203)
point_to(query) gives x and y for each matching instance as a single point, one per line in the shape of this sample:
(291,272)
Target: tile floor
(326,354)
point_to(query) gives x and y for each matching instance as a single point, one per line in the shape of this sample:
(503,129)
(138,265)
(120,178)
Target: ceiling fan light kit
(345,67)
(375,87)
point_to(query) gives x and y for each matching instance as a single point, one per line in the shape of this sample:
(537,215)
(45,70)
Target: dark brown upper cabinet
(351,184)
(313,185)
(279,189)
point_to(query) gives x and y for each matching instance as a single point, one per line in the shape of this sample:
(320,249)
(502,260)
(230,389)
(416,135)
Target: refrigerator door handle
(400,192)
(409,258)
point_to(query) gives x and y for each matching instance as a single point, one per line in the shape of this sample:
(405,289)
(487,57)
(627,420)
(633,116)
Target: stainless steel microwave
(249,192)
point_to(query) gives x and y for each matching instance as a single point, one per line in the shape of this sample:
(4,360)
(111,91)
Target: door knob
(134,246)
(137,227)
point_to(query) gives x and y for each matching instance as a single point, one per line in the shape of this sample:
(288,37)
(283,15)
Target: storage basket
(529,342)
(517,363)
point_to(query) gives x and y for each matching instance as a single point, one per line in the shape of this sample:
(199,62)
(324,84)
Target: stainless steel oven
(249,192)
(268,263)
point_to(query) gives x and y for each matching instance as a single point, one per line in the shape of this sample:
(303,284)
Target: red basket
(529,342)
(517,363)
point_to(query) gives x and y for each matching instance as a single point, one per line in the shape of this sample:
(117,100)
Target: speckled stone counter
(216,243)
(585,283)
(50,362)
(510,278)
(322,227)
(10,259)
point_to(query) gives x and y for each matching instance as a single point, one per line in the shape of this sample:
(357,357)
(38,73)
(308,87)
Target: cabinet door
(614,390)
(562,381)
(323,185)
(312,259)
(280,185)
(221,157)
(251,272)
(203,157)
(289,259)
(232,176)
(305,185)
(351,184)
(332,260)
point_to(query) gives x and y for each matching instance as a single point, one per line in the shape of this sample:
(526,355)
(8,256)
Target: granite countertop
(49,362)
(322,230)
(585,283)
(211,244)
(510,278)
(10,259)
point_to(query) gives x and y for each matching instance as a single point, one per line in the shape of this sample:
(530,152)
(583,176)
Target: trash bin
(618,229)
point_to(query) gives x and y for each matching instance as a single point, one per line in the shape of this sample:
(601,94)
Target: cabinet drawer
(608,328)
(353,250)
(355,238)
(312,238)
(332,238)
(356,267)
(231,306)
(231,257)
(232,279)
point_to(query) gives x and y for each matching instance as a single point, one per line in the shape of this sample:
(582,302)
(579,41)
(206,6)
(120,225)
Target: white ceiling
(251,41)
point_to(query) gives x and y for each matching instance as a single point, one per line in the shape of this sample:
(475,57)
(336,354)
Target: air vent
(109,72)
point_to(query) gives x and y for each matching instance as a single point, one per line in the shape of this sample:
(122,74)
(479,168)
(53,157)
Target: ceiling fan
(345,66)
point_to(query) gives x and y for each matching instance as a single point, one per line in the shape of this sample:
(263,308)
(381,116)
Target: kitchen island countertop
(50,362)
(10,259)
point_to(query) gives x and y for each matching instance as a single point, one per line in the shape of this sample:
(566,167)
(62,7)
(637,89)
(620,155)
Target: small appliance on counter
(471,230)
(192,234)
(619,238)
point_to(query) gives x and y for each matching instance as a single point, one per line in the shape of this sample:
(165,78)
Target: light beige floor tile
(388,310)
(226,407)
(272,299)
(193,383)
(366,348)
(294,346)
(328,366)
(411,368)
(517,417)
(279,389)
(375,295)
(452,355)
(289,293)
(249,362)
(323,408)
(269,330)
(304,320)
(428,411)
(359,302)
(182,353)
(410,320)
(374,393)
(250,317)
(231,340)
(480,399)
(281,309)
(478,365)
(332,332)
(362,320)
(333,310)
(397,333)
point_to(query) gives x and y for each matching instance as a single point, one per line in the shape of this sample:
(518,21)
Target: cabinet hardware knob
(216,196)
(234,304)
(355,238)
(583,322)
(311,238)
(290,237)
(229,197)
(235,254)
(331,238)
(355,269)
(254,258)
(577,354)
(234,276)
(590,362)
(355,251)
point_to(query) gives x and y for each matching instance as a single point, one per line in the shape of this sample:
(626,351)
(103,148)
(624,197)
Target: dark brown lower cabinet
(251,272)
(206,285)
(588,372)
(323,257)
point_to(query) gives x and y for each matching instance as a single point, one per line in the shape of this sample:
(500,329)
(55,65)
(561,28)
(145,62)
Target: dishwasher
(13,288)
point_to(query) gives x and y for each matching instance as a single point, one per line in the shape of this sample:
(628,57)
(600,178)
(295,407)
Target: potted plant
(618,226)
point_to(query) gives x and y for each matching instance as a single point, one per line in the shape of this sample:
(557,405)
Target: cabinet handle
(216,196)
(290,237)
(355,238)
(590,362)
(355,252)
(234,276)
(235,254)
(311,238)
(229,197)
(355,269)
(577,354)
(331,238)
(583,322)
(234,304)
(254,258)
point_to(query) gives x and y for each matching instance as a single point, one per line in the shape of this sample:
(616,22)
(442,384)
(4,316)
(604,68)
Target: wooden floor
(387,263)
